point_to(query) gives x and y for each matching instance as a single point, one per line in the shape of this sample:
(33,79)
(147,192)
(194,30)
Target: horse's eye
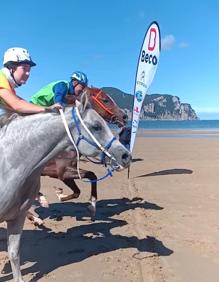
(97,127)
(105,101)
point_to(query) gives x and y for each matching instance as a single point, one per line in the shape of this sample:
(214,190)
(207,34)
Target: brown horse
(64,167)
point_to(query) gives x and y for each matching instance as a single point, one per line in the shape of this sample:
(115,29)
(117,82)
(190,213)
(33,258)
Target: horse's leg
(73,186)
(34,219)
(69,173)
(42,200)
(15,228)
(93,197)
(93,178)
(68,178)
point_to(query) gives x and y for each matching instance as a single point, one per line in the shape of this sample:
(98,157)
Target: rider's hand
(56,106)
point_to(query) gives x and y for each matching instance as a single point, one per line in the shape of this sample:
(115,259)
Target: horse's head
(106,106)
(94,138)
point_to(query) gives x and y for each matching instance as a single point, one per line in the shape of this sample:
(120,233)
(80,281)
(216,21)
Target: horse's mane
(11,116)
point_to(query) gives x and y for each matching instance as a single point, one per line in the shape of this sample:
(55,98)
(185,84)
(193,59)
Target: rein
(71,139)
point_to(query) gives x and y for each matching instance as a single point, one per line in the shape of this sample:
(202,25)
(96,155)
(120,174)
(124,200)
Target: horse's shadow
(167,172)
(48,250)
(105,208)
(137,160)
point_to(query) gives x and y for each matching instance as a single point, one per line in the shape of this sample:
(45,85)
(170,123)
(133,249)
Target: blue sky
(103,39)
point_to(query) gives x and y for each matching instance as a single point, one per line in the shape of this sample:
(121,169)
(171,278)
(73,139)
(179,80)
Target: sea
(179,124)
(178,128)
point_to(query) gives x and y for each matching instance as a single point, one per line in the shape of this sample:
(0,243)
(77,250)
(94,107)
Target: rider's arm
(18,104)
(60,90)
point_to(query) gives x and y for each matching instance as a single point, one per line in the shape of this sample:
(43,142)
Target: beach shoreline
(183,133)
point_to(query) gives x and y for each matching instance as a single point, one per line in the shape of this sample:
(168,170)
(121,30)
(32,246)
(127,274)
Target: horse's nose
(126,158)
(125,117)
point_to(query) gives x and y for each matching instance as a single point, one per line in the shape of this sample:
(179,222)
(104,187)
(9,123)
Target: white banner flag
(146,69)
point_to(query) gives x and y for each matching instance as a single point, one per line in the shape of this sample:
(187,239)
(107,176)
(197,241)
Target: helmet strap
(75,82)
(12,70)
(8,72)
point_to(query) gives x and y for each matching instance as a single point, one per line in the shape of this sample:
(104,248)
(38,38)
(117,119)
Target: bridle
(77,119)
(92,140)
(102,106)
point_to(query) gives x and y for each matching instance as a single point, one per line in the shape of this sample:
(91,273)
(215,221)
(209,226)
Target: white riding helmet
(17,56)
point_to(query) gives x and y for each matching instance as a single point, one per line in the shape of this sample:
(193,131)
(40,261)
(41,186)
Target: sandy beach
(160,225)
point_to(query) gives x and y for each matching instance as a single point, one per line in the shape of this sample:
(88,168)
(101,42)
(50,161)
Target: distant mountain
(155,106)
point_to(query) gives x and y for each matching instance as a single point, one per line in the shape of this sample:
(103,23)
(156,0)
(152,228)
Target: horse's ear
(87,91)
(84,105)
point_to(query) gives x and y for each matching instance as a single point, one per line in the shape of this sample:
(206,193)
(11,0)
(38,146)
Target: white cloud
(167,42)
(183,45)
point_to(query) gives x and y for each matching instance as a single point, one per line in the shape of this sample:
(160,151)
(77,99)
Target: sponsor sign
(146,69)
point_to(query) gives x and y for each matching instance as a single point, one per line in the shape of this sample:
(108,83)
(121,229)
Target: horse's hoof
(59,194)
(37,221)
(59,191)
(63,197)
(76,195)
(92,210)
(43,201)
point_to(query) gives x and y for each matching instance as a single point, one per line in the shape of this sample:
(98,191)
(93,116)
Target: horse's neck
(31,141)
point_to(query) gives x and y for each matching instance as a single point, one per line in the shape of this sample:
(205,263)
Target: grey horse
(27,144)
